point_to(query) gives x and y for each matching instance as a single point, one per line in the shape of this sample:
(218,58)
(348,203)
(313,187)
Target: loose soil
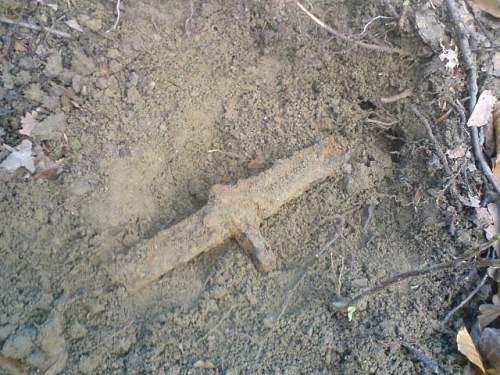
(183,96)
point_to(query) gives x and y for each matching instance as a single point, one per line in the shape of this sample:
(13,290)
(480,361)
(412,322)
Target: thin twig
(471,69)
(373,20)
(426,361)
(232,154)
(459,263)
(341,272)
(224,317)
(395,98)
(117,17)
(467,299)
(346,38)
(381,124)
(430,133)
(49,30)
(295,285)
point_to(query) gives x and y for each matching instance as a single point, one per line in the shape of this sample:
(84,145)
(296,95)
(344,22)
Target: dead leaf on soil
(494,273)
(20,46)
(489,6)
(101,70)
(489,345)
(450,55)
(28,123)
(467,347)
(488,313)
(483,111)
(48,169)
(204,364)
(20,157)
(279,120)
(74,25)
(487,219)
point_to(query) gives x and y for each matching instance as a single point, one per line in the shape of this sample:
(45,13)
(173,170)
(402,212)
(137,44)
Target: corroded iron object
(231,212)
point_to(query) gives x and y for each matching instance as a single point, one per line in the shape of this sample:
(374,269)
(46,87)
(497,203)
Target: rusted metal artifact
(231,212)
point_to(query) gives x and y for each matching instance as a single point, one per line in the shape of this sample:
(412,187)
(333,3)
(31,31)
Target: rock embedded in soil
(133,95)
(82,64)
(54,65)
(50,128)
(5,331)
(88,364)
(34,93)
(20,344)
(93,23)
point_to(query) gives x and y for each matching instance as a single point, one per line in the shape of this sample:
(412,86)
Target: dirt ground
(185,95)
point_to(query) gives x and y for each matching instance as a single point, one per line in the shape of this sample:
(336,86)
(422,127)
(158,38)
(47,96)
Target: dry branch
(50,30)
(349,39)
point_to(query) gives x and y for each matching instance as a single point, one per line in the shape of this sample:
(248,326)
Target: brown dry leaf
(101,70)
(46,168)
(204,364)
(51,173)
(20,46)
(467,348)
(28,123)
(279,120)
(74,25)
(489,6)
(488,313)
(483,110)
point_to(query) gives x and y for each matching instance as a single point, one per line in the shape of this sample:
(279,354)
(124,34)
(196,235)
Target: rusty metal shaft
(231,212)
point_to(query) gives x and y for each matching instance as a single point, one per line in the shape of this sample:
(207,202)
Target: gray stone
(101,83)
(50,128)
(23,78)
(76,83)
(113,53)
(360,283)
(93,23)
(34,93)
(429,28)
(28,63)
(20,344)
(6,330)
(51,102)
(37,359)
(115,66)
(133,95)
(77,331)
(133,79)
(54,65)
(87,364)
(82,64)
(50,338)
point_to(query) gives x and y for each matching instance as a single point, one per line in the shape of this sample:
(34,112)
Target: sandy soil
(140,112)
